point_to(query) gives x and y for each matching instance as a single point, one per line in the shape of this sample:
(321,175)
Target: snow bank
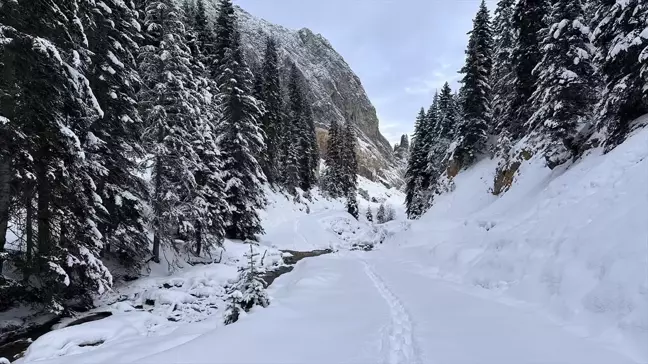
(572,241)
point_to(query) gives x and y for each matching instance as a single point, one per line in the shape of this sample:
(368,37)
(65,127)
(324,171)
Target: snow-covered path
(376,308)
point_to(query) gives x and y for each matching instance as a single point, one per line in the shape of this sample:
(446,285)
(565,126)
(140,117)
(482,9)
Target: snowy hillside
(571,242)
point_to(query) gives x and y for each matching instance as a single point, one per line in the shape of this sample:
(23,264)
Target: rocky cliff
(336,93)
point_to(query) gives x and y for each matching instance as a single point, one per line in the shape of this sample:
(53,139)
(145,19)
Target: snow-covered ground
(572,242)
(552,271)
(358,307)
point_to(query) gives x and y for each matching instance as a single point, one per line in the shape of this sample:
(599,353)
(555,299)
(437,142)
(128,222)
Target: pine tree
(447,114)
(416,175)
(352,203)
(204,36)
(46,95)
(270,89)
(189,11)
(240,140)
(528,21)
(116,136)
(566,86)
(249,290)
(348,160)
(302,120)
(225,28)
(209,203)
(369,214)
(333,176)
(349,169)
(166,101)
(476,92)
(444,131)
(503,75)
(380,215)
(310,146)
(621,39)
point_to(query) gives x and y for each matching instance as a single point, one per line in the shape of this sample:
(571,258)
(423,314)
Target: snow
(82,338)
(548,272)
(357,304)
(571,242)
(322,223)
(59,270)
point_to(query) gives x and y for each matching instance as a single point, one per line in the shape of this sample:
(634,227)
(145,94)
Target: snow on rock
(571,241)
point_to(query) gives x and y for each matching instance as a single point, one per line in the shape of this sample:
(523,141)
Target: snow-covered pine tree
(476,91)
(444,130)
(247,292)
(309,145)
(349,169)
(189,11)
(210,208)
(566,83)
(369,214)
(115,139)
(204,35)
(240,139)
(380,215)
(302,120)
(209,199)
(167,100)
(295,115)
(224,32)
(352,203)
(621,37)
(289,164)
(270,89)
(349,159)
(503,75)
(435,150)
(528,20)
(45,94)
(416,175)
(332,177)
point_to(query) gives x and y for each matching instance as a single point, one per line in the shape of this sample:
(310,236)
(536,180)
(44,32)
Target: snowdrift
(572,242)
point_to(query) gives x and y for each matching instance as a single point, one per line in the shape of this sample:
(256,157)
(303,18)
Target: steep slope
(572,242)
(334,89)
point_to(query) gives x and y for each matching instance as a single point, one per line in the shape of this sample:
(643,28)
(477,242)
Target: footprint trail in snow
(401,347)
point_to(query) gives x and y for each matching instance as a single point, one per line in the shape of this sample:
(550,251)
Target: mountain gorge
(335,91)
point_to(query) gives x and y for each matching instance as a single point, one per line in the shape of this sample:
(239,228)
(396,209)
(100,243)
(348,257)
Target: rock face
(335,92)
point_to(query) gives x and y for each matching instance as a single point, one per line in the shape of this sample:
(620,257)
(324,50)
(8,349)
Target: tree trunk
(29,230)
(198,237)
(5,201)
(157,210)
(43,207)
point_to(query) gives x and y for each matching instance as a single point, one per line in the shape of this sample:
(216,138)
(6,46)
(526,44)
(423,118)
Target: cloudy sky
(402,50)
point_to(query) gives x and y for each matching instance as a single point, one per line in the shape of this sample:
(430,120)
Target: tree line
(547,77)
(132,128)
